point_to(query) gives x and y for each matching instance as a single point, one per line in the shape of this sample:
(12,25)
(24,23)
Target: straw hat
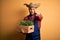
(32,5)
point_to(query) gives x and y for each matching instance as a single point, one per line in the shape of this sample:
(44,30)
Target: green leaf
(26,23)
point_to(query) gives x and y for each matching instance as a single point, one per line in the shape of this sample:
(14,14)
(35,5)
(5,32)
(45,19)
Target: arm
(39,17)
(26,18)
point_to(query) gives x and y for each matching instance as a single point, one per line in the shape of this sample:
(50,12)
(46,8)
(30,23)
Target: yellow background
(13,11)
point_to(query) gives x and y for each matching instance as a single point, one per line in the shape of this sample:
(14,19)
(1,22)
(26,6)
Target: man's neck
(30,14)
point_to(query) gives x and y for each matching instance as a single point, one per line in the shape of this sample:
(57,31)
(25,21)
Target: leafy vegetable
(26,23)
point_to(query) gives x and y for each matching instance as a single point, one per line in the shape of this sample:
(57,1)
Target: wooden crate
(27,29)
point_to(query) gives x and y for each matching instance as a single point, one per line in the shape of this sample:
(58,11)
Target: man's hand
(37,13)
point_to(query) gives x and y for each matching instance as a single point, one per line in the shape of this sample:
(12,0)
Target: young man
(36,18)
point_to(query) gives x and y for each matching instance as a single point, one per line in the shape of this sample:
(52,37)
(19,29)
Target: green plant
(26,23)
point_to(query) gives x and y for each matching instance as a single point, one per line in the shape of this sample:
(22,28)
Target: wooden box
(27,29)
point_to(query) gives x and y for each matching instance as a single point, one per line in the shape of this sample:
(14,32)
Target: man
(36,18)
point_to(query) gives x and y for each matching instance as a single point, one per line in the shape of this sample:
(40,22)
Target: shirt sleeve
(25,18)
(39,18)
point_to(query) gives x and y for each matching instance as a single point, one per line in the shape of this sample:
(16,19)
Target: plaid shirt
(38,18)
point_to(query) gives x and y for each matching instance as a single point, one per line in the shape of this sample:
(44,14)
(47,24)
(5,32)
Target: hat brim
(32,5)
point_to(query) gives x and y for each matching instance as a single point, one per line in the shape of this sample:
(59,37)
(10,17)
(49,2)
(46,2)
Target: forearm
(39,18)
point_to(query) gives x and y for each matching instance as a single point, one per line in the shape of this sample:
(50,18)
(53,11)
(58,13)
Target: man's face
(32,10)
